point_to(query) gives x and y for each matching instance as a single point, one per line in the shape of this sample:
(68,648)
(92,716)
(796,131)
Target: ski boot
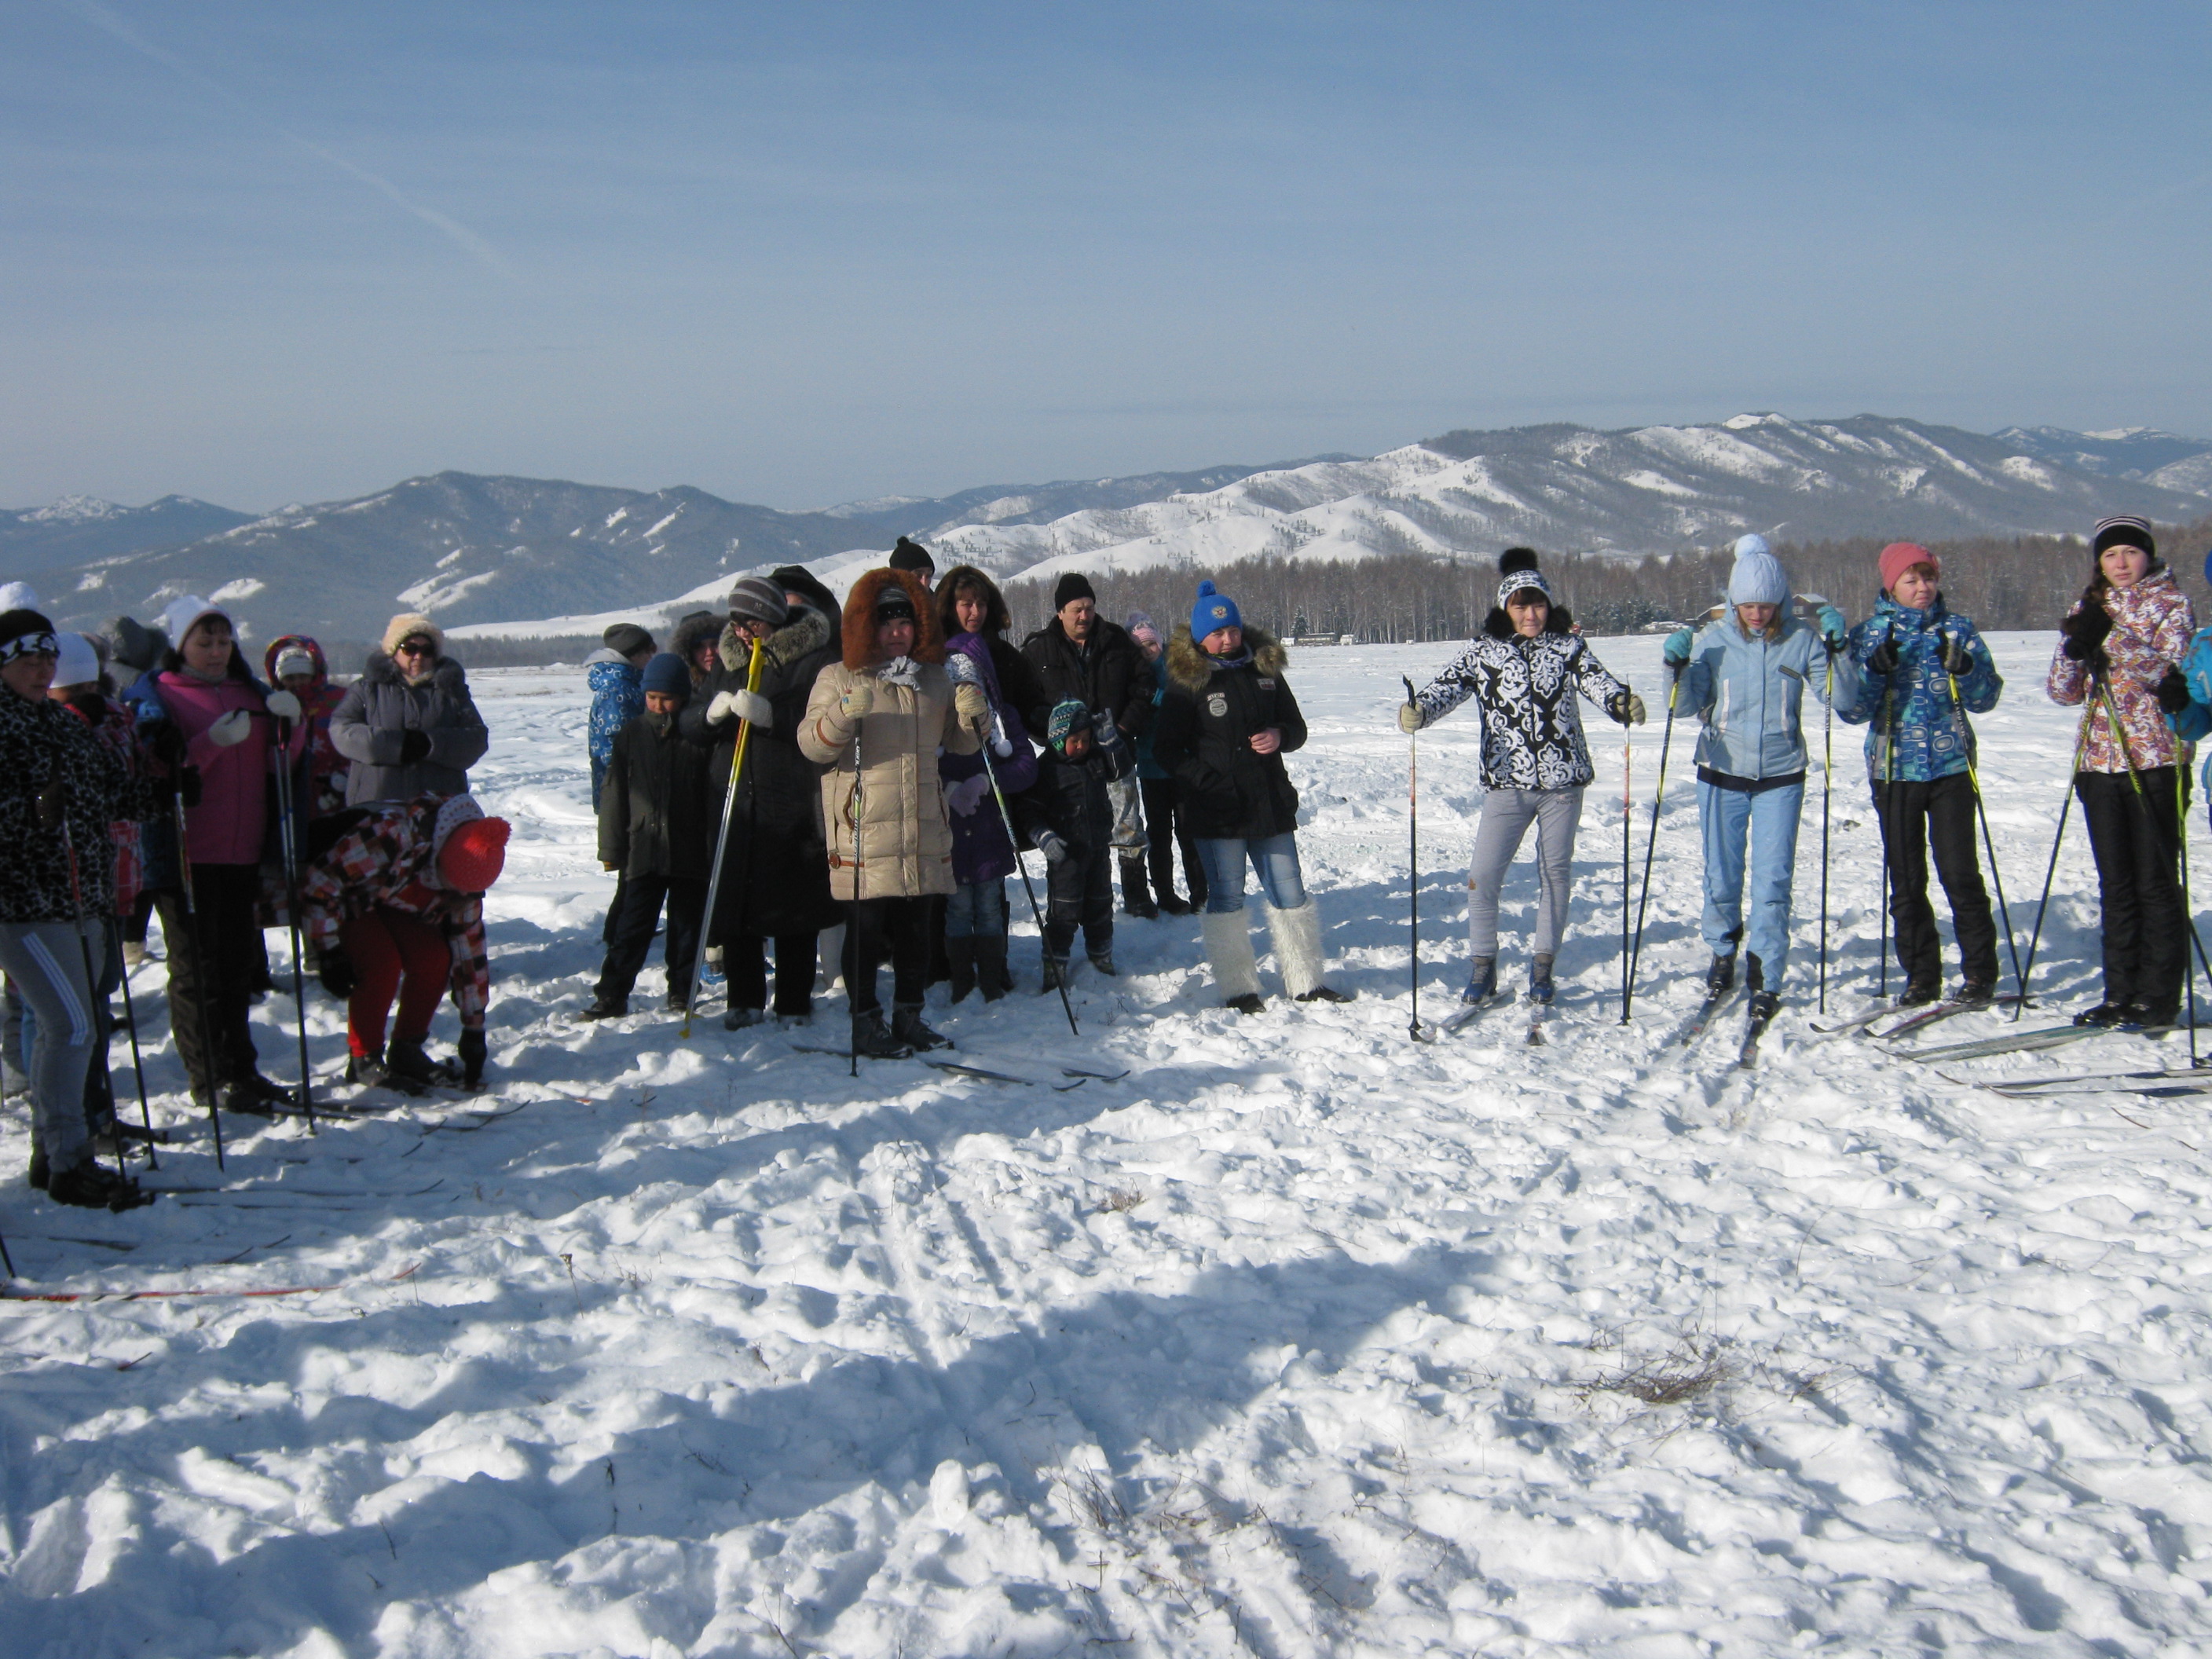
(1481,981)
(2142,1015)
(1977,993)
(906,1027)
(1720,978)
(1540,981)
(1919,993)
(370,1071)
(1764,1005)
(255,1095)
(2106,1013)
(405,1063)
(603,1008)
(873,1040)
(93,1186)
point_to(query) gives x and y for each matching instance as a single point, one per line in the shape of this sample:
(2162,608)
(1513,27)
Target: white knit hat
(177,621)
(77,663)
(1757,578)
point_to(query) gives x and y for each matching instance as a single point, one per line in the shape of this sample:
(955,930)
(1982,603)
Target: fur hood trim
(381,670)
(1189,668)
(692,632)
(861,654)
(997,619)
(807,632)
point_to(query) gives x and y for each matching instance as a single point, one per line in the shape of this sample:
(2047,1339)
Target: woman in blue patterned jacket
(1924,671)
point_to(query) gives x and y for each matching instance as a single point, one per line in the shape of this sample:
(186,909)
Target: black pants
(1080,885)
(1937,816)
(744,963)
(1164,808)
(216,959)
(641,898)
(870,924)
(2136,843)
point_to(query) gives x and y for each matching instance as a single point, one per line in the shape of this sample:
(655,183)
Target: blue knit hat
(1757,578)
(1213,611)
(1067,718)
(666,672)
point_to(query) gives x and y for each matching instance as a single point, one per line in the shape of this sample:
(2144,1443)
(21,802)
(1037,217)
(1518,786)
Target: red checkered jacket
(383,863)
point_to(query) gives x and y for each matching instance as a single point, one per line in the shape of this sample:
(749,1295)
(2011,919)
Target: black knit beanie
(1071,587)
(2122,529)
(911,554)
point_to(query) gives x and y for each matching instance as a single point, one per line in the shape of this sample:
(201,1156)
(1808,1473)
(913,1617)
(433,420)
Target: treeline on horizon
(2002,582)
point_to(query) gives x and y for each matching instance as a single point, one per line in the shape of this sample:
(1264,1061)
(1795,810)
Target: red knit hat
(1900,556)
(473,855)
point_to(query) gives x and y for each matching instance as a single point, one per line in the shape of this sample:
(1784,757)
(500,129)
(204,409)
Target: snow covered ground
(1300,1339)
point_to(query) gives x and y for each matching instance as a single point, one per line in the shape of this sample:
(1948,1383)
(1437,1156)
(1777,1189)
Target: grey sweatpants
(46,960)
(1506,816)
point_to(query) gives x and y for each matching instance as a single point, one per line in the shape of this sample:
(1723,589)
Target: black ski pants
(2136,842)
(642,897)
(1939,817)
(744,963)
(216,961)
(871,924)
(1163,807)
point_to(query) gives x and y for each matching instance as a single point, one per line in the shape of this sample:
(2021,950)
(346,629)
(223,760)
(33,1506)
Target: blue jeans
(1767,821)
(1274,859)
(976,907)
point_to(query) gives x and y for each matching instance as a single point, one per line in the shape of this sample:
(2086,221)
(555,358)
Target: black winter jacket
(1111,676)
(1208,715)
(378,711)
(776,873)
(654,818)
(38,740)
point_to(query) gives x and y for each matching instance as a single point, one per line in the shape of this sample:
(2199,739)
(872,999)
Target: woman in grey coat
(408,724)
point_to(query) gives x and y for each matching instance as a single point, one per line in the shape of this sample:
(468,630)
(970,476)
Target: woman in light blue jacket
(1745,676)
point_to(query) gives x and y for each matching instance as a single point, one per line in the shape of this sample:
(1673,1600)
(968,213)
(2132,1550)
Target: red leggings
(392,951)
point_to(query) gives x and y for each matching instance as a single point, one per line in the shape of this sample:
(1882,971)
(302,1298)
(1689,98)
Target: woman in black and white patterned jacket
(1524,672)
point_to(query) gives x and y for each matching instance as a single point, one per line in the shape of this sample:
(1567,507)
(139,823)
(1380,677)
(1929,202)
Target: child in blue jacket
(1746,675)
(1924,669)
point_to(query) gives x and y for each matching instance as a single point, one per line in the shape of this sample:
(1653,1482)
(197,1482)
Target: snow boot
(603,1008)
(960,958)
(736,1019)
(403,1059)
(1055,975)
(1755,975)
(871,1040)
(906,1027)
(1104,962)
(254,1096)
(1720,978)
(1137,889)
(1919,993)
(2144,1015)
(1540,980)
(1229,952)
(2105,1013)
(93,1186)
(1977,993)
(40,1171)
(1297,949)
(991,974)
(1481,980)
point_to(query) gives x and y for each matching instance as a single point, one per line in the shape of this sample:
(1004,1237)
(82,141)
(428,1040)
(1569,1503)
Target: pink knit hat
(1900,556)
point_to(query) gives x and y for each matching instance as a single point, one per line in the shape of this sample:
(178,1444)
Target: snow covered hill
(77,529)
(1299,1339)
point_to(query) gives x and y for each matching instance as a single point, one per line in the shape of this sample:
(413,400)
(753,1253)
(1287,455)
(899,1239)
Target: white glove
(860,697)
(1050,843)
(971,705)
(722,708)
(965,796)
(234,727)
(748,706)
(283,705)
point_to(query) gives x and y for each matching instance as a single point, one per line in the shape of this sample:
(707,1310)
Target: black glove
(414,746)
(1885,657)
(2173,692)
(165,742)
(471,1047)
(336,971)
(191,786)
(2085,632)
(1958,662)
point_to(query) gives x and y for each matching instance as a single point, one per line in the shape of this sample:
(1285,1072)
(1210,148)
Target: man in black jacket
(1080,657)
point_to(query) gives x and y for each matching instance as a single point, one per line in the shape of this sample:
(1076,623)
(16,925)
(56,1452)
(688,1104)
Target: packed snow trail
(1300,1339)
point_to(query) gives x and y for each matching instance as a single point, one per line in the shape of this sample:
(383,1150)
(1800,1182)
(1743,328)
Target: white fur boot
(1298,948)
(1228,936)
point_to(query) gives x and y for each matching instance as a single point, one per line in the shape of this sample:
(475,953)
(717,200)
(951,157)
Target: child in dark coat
(655,827)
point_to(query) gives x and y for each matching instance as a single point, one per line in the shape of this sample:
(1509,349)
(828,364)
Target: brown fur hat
(860,641)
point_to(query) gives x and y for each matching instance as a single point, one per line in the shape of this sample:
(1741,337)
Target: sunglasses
(416,648)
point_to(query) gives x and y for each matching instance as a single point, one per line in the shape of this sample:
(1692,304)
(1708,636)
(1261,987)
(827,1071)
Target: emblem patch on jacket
(1216,705)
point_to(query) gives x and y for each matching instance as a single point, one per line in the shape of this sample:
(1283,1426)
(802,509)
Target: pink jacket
(232,820)
(2152,623)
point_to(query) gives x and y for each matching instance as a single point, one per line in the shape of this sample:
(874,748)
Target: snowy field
(1300,1339)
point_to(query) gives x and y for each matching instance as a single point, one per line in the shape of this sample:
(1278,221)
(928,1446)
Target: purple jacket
(980,851)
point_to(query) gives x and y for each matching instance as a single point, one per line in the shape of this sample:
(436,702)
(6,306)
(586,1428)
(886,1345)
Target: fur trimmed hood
(1189,667)
(859,634)
(807,632)
(700,627)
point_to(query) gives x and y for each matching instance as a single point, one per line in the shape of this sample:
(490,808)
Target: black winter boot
(960,957)
(906,1027)
(991,972)
(1137,889)
(1720,978)
(93,1186)
(873,1041)
(1055,973)
(403,1059)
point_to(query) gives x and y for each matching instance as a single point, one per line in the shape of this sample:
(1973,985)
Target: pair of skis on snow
(1468,1012)
(1701,1019)
(1060,1078)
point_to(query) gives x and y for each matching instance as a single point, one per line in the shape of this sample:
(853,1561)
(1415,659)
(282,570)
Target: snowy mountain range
(530,557)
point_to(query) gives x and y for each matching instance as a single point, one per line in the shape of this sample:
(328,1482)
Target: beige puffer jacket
(888,781)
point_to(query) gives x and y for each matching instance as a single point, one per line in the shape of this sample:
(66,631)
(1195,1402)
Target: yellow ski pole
(721,843)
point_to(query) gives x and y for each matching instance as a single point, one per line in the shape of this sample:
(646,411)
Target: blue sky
(802,253)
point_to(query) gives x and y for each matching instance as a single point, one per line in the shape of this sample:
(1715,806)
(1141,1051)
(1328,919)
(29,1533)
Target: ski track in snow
(1299,1339)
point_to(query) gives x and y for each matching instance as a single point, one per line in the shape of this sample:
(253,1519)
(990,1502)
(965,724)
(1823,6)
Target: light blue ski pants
(1764,823)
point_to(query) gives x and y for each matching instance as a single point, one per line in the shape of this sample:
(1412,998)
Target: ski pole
(1014,842)
(138,1061)
(1413,868)
(203,984)
(1982,811)
(2142,799)
(6,1258)
(1888,817)
(2188,906)
(91,992)
(1627,853)
(1665,741)
(2081,744)
(1827,795)
(851,927)
(721,844)
(289,844)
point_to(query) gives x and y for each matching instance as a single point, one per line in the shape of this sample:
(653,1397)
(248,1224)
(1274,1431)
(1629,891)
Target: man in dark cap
(910,555)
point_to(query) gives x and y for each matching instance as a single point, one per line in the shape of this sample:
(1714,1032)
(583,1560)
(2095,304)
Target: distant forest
(2010,582)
